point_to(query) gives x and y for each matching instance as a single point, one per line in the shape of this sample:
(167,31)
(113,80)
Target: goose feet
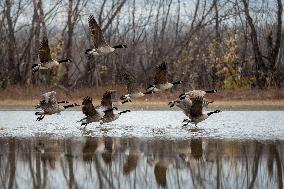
(187,122)
(40,118)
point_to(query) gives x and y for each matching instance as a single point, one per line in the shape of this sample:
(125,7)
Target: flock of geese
(191,103)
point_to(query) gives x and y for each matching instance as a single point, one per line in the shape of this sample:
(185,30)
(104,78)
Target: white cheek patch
(36,67)
(151,88)
(94,52)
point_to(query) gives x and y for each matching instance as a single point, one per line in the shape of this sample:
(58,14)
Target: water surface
(142,149)
(264,125)
(107,162)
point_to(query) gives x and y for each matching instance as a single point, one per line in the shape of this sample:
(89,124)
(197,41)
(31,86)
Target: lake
(142,149)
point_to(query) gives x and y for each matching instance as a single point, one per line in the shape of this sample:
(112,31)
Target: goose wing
(196,93)
(44,51)
(109,98)
(185,105)
(131,82)
(161,75)
(97,33)
(196,107)
(88,108)
(50,98)
(109,113)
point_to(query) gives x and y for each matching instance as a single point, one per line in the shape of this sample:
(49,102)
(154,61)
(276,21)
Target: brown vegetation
(18,96)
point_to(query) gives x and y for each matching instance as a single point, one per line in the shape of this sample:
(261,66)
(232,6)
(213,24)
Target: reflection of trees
(275,156)
(258,150)
(12,162)
(134,163)
(133,154)
(89,149)
(160,171)
(107,155)
(196,148)
(72,182)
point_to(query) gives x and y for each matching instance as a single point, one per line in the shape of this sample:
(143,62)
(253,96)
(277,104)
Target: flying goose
(132,88)
(95,114)
(185,105)
(110,115)
(196,114)
(46,62)
(50,106)
(161,80)
(92,114)
(196,93)
(100,45)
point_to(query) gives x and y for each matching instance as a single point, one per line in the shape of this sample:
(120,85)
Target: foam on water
(158,124)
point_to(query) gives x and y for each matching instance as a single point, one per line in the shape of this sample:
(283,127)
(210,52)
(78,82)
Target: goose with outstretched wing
(101,47)
(133,91)
(46,62)
(196,113)
(50,105)
(161,82)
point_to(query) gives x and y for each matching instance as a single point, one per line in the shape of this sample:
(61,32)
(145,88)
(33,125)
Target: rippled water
(142,149)
(163,124)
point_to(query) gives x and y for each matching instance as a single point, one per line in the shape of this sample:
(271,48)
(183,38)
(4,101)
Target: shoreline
(15,105)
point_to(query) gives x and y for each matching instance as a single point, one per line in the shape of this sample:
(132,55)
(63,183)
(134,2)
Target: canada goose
(132,88)
(50,106)
(95,114)
(185,104)
(196,93)
(196,114)
(111,116)
(91,113)
(46,62)
(100,45)
(161,80)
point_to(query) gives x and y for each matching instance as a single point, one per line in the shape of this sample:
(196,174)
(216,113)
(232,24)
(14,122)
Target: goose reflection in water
(109,151)
(140,163)
(90,147)
(133,154)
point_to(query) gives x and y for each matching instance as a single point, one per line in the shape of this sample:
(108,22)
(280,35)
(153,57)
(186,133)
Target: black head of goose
(161,82)
(46,61)
(101,47)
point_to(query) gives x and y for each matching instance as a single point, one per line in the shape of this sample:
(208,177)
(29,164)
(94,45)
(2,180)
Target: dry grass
(19,96)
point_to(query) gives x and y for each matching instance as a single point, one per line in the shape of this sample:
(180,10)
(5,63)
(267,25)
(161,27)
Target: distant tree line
(226,44)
